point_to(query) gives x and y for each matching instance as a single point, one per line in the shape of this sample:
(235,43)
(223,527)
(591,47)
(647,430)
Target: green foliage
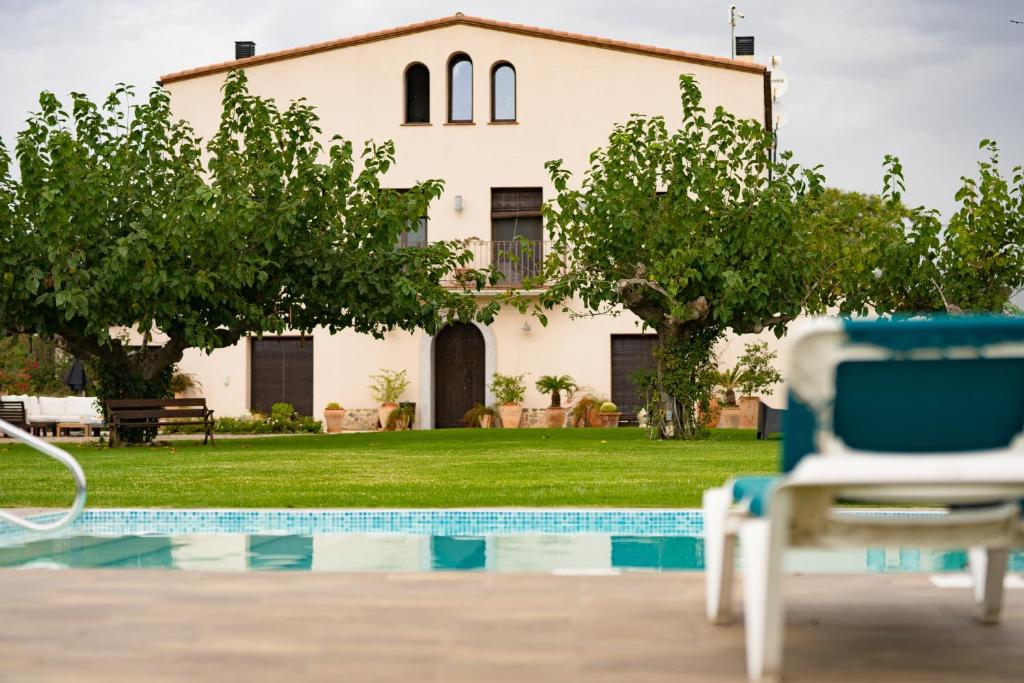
(472,417)
(254,425)
(120,217)
(696,231)
(729,380)
(31,365)
(609,407)
(184,381)
(975,262)
(555,385)
(333,405)
(758,375)
(400,418)
(389,385)
(111,379)
(508,388)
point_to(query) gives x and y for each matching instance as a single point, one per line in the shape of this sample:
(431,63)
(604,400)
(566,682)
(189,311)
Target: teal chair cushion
(756,492)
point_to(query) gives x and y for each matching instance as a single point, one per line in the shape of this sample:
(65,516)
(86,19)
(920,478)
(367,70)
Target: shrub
(472,417)
(388,386)
(508,388)
(758,372)
(400,418)
(609,407)
(333,406)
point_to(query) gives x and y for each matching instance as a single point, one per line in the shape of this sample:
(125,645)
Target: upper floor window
(460,88)
(415,233)
(503,92)
(417,94)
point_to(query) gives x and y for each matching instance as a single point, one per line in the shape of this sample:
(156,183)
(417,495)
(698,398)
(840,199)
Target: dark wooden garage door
(458,373)
(282,372)
(630,352)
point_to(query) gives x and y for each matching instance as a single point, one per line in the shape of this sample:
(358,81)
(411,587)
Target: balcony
(515,260)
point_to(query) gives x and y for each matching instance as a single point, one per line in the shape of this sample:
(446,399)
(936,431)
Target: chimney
(247,48)
(745,48)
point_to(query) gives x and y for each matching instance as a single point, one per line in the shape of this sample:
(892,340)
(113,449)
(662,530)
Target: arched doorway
(459,373)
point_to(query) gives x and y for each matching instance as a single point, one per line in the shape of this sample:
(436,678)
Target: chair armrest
(1003,467)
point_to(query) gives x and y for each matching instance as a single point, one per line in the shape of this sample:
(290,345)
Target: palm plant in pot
(509,391)
(386,389)
(334,416)
(555,385)
(480,416)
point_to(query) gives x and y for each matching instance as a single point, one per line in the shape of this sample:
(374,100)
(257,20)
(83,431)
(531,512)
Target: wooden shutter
(281,371)
(630,352)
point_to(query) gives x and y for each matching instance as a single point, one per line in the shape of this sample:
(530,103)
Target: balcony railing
(515,260)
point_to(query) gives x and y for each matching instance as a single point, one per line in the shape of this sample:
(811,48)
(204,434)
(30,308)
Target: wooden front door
(630,352)
(281,371)
(458,373)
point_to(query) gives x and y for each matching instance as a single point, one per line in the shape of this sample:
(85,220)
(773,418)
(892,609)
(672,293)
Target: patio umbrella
(74,378)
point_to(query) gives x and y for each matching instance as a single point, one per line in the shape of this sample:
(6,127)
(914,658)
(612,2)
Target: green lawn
(445,468)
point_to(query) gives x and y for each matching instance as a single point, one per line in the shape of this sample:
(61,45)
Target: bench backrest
(12,412)
(941,385)
(119,404)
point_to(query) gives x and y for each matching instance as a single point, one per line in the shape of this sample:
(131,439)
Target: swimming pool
(543,540)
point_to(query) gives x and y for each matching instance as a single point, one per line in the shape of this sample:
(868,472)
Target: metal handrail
(61,456)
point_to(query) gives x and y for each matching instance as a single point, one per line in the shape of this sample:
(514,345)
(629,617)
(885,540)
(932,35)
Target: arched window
(417,94)
(503,92)
(460,88)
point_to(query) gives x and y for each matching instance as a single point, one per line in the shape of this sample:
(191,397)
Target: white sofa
(46,411)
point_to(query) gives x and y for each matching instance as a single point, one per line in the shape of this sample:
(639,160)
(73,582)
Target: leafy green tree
(973,262)
(121,218)
(697,231)
(759,373)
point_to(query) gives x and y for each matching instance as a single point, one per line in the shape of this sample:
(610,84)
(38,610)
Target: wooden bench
(13,412)
(151,413)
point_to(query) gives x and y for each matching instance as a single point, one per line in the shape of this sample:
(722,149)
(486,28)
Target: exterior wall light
(458,202)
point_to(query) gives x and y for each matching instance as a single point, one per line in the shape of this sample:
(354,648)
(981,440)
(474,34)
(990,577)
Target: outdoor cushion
(43,418)
(53,405)
(755,492)
(82,406)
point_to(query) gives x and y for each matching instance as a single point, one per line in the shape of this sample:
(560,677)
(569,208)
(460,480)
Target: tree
(696,231)
(124,219)
(974,262)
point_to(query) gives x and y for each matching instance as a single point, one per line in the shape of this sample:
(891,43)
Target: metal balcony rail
(64,458)
(515,260)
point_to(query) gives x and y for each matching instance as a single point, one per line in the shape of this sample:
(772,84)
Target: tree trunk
(684,356)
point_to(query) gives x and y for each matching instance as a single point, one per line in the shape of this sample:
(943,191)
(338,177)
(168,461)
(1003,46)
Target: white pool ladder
(64,458)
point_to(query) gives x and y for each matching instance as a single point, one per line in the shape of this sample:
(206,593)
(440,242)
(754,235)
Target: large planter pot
(556,417)
(384,412)
(486,421)
(511,414)
(333,419)
(729,418)
(714,413)
(611,419)
(748,412)
(594,416)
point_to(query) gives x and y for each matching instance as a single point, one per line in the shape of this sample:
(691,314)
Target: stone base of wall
(360,419)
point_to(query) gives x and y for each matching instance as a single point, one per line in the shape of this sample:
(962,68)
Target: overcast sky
(924,79)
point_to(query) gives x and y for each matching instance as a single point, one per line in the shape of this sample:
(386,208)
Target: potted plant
(334,416)
(386,389)
(400,418)
(728,381)
(759,375)
(480,416)
(587,412)
(610,414)
(555,385)
(509,390)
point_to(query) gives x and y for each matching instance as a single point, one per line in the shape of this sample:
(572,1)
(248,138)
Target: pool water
(560,541)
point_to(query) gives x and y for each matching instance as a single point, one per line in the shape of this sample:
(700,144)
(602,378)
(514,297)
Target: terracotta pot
(333,419)
(594,417)
(611,419)
(511,414)
(556,417)
(486,421)
(729,418)
(384,412)
(714,413)
(748,412)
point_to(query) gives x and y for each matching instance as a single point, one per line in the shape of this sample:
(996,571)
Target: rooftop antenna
(734,16)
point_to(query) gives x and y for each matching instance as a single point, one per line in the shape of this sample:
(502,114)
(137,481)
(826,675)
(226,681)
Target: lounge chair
(927,412)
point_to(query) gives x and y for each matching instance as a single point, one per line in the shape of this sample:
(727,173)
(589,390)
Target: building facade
(482,105)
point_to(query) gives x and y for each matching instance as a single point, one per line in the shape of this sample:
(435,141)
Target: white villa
(481,104)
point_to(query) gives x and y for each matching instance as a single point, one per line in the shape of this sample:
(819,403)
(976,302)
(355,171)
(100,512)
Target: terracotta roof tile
(521,29)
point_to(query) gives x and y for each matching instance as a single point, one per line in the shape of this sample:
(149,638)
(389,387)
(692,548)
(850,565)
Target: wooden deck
(154,625)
